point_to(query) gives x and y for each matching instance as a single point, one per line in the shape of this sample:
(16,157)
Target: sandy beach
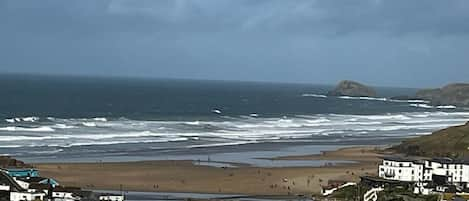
(184,176)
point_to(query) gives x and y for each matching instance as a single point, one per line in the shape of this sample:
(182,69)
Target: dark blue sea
(51,118)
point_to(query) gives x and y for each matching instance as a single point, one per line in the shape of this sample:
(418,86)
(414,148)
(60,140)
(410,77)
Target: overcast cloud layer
(410,43)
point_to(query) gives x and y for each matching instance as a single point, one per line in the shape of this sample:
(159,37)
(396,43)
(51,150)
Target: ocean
(51,118)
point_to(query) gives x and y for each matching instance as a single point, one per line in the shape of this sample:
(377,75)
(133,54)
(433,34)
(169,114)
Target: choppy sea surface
(45,118)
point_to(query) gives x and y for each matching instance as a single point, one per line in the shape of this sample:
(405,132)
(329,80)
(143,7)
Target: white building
(438,171)
(64,196)
(401,169)
(26,196)
(111,197)
(454,171)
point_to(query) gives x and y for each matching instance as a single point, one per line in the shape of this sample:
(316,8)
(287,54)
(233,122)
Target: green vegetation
(402,194)
(348,193)
(450,142)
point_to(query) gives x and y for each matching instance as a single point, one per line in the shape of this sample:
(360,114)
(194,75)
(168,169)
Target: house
(401,169)
(10,188)
(34,188)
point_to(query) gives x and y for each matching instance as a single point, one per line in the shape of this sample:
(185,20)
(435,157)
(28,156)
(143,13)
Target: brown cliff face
(452,94)
(352,88)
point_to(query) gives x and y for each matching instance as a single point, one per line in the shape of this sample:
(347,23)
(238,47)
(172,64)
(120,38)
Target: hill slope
(452,94)
(449,142)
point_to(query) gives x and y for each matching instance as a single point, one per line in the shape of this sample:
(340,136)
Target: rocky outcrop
(450,142)
(6,161)
(452,94)
(351,88)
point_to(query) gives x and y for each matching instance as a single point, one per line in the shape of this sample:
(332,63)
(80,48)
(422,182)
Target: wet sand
(184,176)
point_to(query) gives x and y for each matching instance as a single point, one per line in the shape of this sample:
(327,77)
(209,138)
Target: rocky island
(452,94)
(352,88)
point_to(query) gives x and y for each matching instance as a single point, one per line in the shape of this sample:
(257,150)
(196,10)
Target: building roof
(15,169)
(401,159)
(445,160)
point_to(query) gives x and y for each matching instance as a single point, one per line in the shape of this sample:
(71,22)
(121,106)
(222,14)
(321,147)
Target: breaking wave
(22,119)
(57,132)
(314,95)
(426,106)
(36,129)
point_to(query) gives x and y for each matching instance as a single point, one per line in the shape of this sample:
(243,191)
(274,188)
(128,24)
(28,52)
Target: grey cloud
(386,42)
(303,16)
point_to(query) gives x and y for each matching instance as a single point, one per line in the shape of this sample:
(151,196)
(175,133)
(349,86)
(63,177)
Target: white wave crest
(10,120)
(36,129)
(314,95)
(89,124)
(24,119)
(362,98)
(63,126)
(446,107)
(100,119)
(426,106)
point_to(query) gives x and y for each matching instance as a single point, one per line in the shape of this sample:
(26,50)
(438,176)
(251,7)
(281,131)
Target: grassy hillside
(449,142)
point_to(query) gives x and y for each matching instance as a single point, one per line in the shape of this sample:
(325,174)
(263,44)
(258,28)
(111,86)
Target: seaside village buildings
(429,175)
(443,176)
(27,185)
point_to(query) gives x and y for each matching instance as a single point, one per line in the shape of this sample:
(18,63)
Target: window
(400,171)
(412,171)
(400,165)
(386,163)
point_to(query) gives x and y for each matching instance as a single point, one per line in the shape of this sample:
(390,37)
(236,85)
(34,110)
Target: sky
(406,43)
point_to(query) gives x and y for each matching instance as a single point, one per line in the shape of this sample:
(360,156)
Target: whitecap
(446,107)
(30,119)
(193,123)
(314,95)
(35,129)
(89,124)
(362,98)
(100,119)
(253,115)
(426,106)
(63,126)
(10,120)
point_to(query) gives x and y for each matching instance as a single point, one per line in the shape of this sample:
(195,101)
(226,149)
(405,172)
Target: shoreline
(185,176)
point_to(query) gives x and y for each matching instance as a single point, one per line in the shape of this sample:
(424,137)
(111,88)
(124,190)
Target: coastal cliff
(452,94)
(352,88)
(449,142)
